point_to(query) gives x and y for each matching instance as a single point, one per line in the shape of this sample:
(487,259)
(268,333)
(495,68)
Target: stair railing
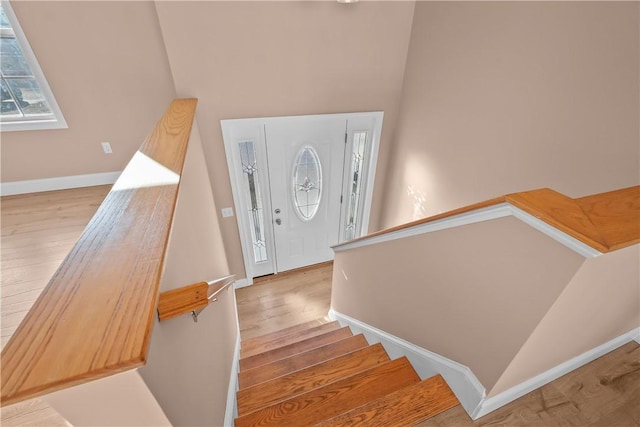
(482,297)
(192,298)
(591,225)
(94,318)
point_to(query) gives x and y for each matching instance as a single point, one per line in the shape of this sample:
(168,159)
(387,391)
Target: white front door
(300,185)
(306,160)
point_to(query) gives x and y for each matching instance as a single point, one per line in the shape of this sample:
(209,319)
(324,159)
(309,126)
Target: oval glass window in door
(307,183)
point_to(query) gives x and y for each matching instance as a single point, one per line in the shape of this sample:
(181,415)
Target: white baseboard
(231,411)
(460,379)
(242,283)
(467,388)
(492,403)
(58,183)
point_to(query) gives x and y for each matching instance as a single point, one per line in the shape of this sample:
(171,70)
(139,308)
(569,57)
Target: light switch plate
(227,212)
(106,147)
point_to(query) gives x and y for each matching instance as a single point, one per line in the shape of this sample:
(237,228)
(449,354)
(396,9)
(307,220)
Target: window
(355,188)
(252,190)
(307,183)
(27,103)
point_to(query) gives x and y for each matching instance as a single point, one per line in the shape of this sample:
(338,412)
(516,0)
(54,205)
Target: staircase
(318,373)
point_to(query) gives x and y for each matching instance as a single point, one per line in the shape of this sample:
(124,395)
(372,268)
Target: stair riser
(292,349)
(256,341)
(406,407)
(291,364)
(331,400)
(313,377)
(288,339)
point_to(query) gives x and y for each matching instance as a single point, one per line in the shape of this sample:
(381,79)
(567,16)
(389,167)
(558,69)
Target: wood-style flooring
(277,302)
(39,229)
(605,392)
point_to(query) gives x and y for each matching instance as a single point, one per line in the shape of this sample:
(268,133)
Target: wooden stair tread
(321,374)
(257,341)
(295,348)
(405,407)
(333,399)
(294,363)
(291,338)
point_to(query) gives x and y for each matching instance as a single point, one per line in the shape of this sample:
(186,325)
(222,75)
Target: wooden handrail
(95,316)
(560,211)
(191,298)
(615,215)
(186,299)
(605,222)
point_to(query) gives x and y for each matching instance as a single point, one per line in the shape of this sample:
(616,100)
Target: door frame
(259,124)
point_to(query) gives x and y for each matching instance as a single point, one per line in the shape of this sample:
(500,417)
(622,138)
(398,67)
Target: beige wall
(117,400)
(189,364)
(186,377)
(602,302)
(497,97)
(473,294)
(107,67)
(257,59)
(500,97)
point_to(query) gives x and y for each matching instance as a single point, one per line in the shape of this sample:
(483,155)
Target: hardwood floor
(277,302)
(38,230)
(605,392)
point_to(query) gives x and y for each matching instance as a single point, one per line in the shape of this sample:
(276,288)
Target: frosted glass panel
(307,183)
(355,187)
(252,191)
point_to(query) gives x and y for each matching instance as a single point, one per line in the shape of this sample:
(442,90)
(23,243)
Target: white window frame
(58,121)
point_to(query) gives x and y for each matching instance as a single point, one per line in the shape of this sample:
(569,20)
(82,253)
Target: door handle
(277,211)
(278,221)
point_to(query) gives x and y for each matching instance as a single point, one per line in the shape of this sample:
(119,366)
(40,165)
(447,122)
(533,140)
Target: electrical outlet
(106,147)
(227,212)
